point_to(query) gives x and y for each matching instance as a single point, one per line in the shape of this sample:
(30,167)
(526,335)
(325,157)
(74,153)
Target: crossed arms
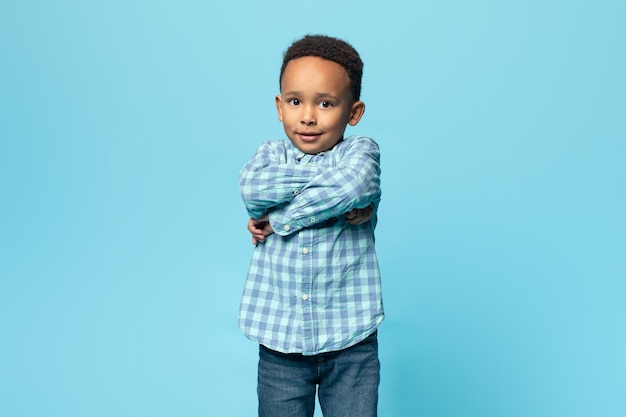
(283,198)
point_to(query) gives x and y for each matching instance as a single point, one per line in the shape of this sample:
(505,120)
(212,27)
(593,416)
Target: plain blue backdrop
(502,232)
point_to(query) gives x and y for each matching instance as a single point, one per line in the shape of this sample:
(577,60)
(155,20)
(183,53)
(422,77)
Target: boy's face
(316,103)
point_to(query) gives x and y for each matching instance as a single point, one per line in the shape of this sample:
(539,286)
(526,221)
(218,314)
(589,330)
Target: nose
(307,117)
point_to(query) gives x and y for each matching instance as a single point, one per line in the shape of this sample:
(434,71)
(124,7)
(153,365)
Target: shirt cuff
(284,226)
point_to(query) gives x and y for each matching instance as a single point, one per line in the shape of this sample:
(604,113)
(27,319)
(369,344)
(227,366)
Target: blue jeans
(347,379)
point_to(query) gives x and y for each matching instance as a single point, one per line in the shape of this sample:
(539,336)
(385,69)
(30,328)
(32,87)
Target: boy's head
(330,49)
(320,85)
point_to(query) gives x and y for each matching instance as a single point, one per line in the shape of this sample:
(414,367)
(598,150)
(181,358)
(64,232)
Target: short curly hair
(331,49)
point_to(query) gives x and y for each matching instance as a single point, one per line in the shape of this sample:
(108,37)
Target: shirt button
(286,227)
(296,192)
(312,219)
(305,297)
(305,250)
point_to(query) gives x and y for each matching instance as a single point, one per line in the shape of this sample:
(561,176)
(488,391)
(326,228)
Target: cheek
(288,115)
(341,120)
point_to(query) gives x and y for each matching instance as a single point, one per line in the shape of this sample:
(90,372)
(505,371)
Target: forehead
(312,72)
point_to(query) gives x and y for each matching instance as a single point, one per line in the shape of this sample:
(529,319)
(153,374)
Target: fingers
(359,216)
(260,228)
(251,226)
(257,233)
(357,220)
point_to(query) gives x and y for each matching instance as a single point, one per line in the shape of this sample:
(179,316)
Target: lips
(308,136)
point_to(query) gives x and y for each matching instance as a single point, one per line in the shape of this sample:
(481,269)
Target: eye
(294,101)
(325,104)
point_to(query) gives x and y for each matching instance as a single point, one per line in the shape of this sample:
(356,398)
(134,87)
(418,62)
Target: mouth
(308,136)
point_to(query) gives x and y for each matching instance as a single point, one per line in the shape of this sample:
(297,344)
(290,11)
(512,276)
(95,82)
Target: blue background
(502,233)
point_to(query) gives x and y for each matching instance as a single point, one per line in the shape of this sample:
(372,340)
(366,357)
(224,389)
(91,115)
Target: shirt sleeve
(267,181)
(353,183)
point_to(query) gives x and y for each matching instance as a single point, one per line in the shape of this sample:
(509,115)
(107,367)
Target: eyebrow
(318,96)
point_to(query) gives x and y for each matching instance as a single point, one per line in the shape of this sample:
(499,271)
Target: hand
(260,228)
(359,216)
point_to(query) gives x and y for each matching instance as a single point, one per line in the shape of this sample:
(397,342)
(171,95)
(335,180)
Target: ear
(279,109)
(356,112)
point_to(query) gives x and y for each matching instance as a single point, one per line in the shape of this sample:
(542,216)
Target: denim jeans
(347,382)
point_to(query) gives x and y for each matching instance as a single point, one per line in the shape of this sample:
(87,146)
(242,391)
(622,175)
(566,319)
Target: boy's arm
(267,181)
(334,191)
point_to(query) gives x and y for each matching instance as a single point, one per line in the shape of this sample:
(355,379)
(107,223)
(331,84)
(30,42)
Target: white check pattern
(314,285)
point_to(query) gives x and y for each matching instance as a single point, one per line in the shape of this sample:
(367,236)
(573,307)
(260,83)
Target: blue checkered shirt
(314,285)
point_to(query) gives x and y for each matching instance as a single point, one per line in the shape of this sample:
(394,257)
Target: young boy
(312,299)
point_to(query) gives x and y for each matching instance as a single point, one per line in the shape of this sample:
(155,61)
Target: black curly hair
(331,49)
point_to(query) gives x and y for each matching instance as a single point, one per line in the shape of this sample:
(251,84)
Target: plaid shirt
(314,285)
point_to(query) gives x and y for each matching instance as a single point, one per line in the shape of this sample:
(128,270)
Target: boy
(312,298)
